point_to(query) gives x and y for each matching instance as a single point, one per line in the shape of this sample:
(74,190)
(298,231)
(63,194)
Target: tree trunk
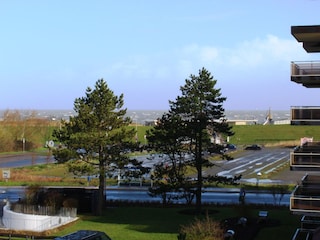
(199,171)
(199,189)
(102,183)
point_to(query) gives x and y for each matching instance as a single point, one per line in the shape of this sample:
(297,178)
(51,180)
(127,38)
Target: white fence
(30,222)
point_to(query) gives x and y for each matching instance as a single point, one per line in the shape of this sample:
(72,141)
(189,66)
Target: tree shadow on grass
(148,219)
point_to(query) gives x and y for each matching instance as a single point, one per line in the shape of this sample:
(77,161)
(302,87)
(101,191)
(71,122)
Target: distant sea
(142,116)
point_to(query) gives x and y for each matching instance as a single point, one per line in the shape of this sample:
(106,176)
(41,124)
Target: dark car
(230,146)
(85,235)
(253,147)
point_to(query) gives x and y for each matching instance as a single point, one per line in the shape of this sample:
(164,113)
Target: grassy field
(137,223)
(246,134)
(273,134)
(260,134)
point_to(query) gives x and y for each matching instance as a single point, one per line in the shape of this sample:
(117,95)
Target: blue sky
(51,51)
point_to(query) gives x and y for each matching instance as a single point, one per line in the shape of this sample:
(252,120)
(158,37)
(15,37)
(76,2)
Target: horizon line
(65,109)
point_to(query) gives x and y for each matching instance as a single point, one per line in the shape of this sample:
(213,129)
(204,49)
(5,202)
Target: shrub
(202,229)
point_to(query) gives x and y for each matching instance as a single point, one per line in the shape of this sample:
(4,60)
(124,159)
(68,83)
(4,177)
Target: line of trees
(23,133)
(97,138)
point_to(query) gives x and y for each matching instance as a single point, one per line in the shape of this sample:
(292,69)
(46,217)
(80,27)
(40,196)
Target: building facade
(305,199)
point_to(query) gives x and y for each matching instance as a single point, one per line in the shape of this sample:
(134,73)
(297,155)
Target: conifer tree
(200,114)
(98,133)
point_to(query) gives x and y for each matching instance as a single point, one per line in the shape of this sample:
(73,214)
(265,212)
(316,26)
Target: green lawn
(246,134)
(138,223)
(260,134)
(273,134)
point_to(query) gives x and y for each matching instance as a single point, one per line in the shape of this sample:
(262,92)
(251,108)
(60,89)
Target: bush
(205,229)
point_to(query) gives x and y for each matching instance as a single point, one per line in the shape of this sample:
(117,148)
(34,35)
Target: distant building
(242,122)
(151,123)
(282,122)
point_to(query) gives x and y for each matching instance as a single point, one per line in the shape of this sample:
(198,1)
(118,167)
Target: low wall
(29,222)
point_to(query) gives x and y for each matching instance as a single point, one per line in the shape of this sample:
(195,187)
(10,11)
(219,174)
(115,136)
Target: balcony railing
(302,234)
(306,73)
(310,180)
(305,200)
(305,68)
(305,115)
(310,222)
(305,160)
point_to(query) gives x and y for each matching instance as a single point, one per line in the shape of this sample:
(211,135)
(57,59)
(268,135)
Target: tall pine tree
(201,116)
(98,133)
(201,106)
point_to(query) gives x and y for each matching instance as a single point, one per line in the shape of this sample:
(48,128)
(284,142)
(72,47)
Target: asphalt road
(23,159)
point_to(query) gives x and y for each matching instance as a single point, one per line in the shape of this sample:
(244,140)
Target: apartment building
(305,199)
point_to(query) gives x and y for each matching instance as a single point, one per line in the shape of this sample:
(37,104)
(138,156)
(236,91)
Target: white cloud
(260,54)
(246,55)
(208,54)
(248,68)
(263,52)
(132,66)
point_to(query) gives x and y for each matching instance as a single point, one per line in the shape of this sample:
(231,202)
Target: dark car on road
(253,147)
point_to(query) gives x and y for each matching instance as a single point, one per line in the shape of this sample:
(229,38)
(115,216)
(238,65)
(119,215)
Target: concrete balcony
(310,180)
(306,157)
(302,234)
(305,200)
(309,36)
(305,161)
(305,115)
(310,222)
(306,73)
(309,228)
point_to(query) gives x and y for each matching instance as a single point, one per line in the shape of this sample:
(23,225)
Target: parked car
(253,147)
(230,146)
(85,235)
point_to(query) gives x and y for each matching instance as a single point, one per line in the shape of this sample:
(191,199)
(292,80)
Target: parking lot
(268,165)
